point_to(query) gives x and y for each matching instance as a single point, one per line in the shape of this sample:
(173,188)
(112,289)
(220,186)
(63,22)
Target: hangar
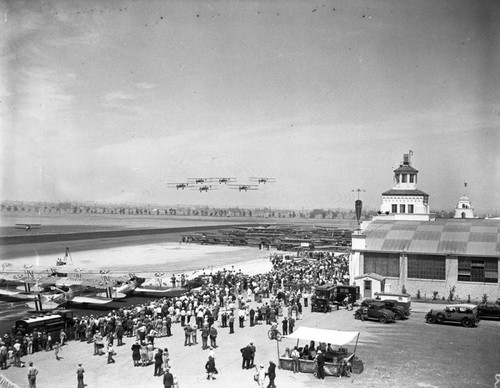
(417,253)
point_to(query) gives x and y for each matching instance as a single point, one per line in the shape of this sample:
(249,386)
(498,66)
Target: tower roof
(405,168)
(411,192)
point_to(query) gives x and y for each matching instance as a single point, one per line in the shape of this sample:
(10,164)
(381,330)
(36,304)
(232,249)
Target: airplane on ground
(262,180)
(224,180)
(28,226)
(57,297)
(179,185)
(244,187)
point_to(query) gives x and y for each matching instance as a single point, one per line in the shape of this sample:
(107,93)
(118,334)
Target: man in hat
(32,372)
(320,360)
(79,376)
(271,373)
(205,332)
(213,336)
(168,379)
(253,349)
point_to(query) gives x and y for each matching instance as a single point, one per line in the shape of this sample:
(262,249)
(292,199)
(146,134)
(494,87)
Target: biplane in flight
(178,185)
(199,181)
(264,180)
(243,187)
(28,226)
(205,188)
(224,180)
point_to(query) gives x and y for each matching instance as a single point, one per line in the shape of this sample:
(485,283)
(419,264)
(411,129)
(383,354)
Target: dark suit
(168,380)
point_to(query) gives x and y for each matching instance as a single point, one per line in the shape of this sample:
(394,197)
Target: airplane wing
(90,300)
(16,294)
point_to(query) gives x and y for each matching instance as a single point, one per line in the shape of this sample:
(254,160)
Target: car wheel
(398,316)
(382,319)
(439,318)
(466,322)
(357,316)
(431,319)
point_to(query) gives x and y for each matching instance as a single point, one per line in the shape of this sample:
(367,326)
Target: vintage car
(329,295)
(377,311)
(322,298)
(465,314)
(399,311)
(489,310)
(403,300)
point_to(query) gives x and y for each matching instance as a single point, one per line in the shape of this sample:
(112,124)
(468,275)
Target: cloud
(119,96)
(145,85)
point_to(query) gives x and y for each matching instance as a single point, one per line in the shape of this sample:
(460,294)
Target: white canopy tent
(333,337)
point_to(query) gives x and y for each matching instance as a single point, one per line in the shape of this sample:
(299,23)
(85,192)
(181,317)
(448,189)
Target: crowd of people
(275,297)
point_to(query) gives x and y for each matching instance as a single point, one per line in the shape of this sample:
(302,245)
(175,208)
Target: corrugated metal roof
(445,237)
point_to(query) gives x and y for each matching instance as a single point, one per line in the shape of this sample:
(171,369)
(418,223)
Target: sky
(108,101)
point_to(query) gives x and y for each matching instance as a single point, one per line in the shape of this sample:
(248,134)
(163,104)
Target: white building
(464,208)
(403,248)
(405,201)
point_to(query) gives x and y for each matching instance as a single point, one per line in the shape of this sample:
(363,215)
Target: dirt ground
(408,353)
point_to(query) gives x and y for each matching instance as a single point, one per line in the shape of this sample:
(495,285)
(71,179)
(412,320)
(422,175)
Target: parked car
(403,300)
(322,298)
(489,310)
(466,314)
(329,295)
(399,311)
(377,311)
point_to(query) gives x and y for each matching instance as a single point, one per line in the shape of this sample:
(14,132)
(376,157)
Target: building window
(412,178)
(402,208)
(410,208)
(404,178)
(394,208)
(397,178)
(384,264)
(426,267)
(477,269)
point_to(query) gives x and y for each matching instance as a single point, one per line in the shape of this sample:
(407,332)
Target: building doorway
(367,289)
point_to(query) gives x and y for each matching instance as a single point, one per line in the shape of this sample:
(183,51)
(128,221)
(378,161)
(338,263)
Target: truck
(328,295)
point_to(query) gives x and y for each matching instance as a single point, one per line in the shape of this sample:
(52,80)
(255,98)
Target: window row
(482,270)
(404,178)
(403,208)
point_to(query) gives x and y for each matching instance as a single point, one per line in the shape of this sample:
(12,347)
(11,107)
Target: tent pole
(278,350)
(355,346)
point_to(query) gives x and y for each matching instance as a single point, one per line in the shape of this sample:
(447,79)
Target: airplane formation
(209,184)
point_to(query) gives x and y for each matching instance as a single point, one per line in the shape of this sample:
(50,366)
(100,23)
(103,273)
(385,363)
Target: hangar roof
(471,237)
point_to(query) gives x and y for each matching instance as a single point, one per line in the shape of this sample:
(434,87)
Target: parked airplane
(28,226)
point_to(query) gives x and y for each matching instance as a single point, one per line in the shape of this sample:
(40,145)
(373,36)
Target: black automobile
(377,311)
(399,311)
(465,314)
(489,310)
